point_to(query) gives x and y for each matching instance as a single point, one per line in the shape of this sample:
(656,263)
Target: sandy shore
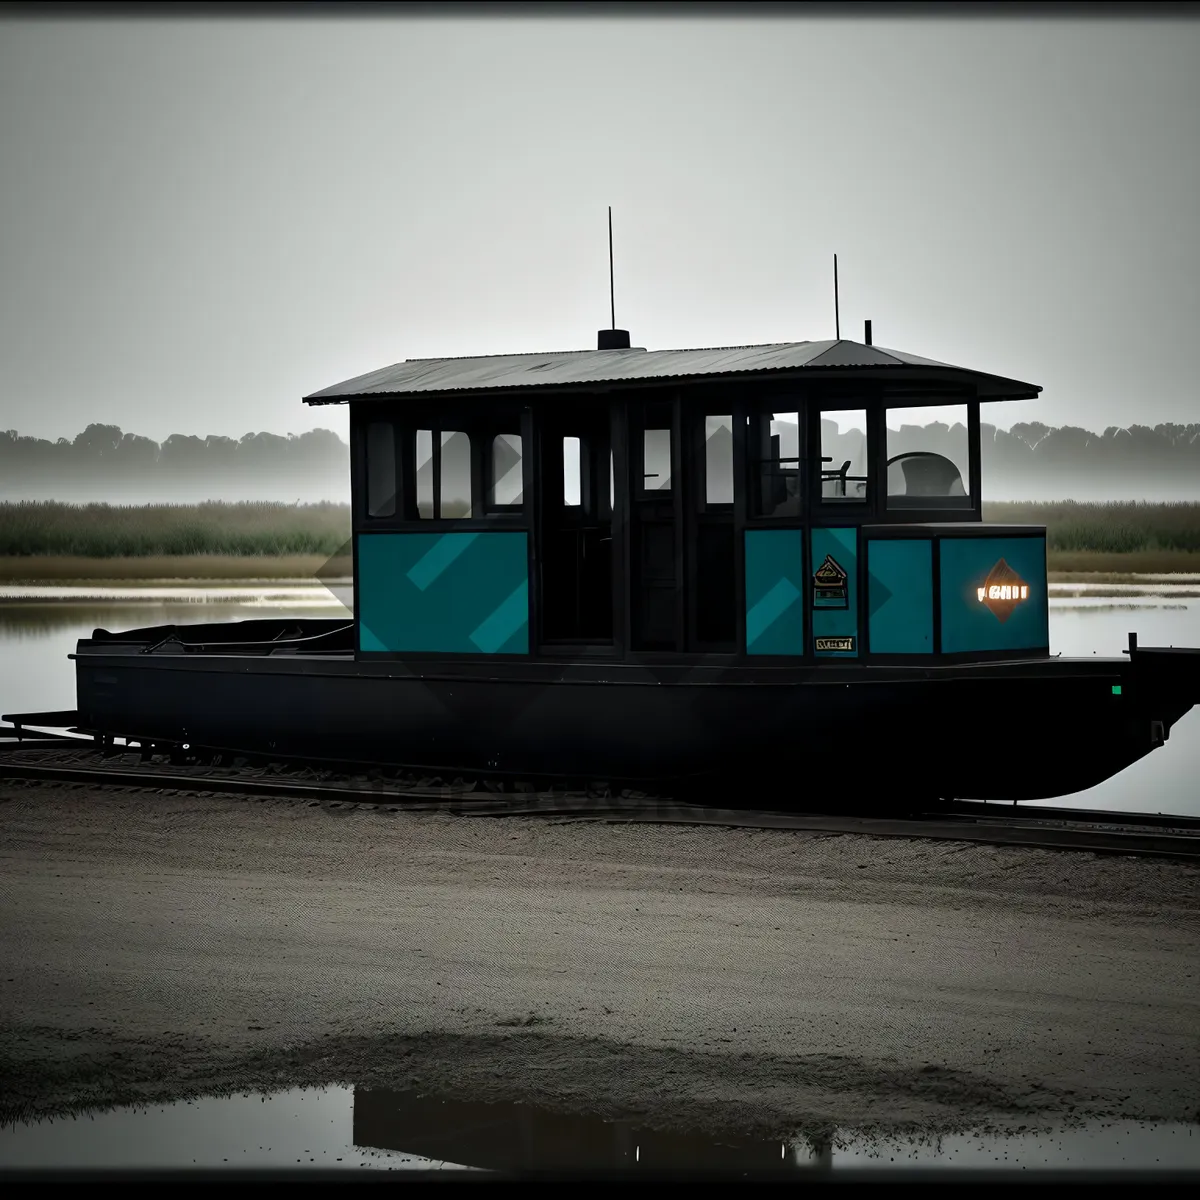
(157,947)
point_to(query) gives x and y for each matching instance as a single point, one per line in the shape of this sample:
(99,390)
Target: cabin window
(718,460)
(928,457)
(656,460)
(425,506)
(844,456)
(572,458)
(381,469)
(507,487)
(455,492)
(443,474)
(774,439)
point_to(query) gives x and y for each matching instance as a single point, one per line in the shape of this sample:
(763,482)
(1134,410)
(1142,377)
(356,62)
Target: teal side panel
(836,616)
(453,593)
(973,565)
(774,591)
(900,595)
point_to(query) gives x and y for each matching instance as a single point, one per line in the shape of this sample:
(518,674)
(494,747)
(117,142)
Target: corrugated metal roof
(585,368)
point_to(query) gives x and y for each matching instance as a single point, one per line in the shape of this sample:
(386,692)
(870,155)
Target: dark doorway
(656,585)
(712,576)
(575,544)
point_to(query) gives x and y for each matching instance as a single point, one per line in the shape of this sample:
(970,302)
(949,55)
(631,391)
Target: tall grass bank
(51,540)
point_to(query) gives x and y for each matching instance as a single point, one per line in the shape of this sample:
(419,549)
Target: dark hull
(825,736)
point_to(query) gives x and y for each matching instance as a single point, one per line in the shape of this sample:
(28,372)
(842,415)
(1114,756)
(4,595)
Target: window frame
(847,508)
(701,417)
(904,506)
(481,424)
(639,428)
(375,421)
(583,457)
(489,472)
(760,413)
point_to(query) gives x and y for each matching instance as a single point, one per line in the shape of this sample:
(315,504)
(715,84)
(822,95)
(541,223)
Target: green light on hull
(1116,689)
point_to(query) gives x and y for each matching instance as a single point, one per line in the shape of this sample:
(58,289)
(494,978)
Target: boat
(702,570)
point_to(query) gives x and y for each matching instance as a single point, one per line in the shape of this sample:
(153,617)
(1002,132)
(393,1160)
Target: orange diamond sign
(1003,591)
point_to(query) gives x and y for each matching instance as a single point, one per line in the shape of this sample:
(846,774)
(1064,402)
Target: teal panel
(900,595)
(774,591)
(971,565)
(836,615)
(453,593)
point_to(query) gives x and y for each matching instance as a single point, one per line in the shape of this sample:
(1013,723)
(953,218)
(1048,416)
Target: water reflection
(520,1137)
(77,618)
(340,1127)
(299,1127)
(37,638)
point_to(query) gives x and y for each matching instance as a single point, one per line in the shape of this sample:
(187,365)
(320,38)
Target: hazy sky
(201,221)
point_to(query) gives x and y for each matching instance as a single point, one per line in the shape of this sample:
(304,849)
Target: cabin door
(656,586)
(711,557)
(575,527)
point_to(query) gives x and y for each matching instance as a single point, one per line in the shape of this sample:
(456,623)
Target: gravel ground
(162,946)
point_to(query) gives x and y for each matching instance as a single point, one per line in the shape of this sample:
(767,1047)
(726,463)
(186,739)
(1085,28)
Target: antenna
(612,300)
(837,317)
(612,338)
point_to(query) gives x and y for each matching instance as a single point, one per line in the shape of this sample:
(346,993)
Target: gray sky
(202,221)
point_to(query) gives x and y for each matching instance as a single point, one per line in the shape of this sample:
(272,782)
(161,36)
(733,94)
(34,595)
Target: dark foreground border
(959,1177)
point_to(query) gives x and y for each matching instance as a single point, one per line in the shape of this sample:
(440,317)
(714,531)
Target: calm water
(38,631)
(345,1127)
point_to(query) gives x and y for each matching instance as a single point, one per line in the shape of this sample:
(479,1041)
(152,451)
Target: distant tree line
(1036,461)
(104,463)
(1029,461)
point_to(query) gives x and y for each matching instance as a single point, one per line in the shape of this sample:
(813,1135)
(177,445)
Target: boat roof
(587,370)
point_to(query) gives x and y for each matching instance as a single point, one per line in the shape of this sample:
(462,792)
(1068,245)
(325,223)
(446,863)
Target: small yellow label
(835,643)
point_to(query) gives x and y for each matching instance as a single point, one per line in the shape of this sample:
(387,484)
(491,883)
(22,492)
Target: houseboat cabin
(754,504)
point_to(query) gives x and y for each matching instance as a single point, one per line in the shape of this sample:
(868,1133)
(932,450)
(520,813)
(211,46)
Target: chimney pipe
(612,339)
(868,337)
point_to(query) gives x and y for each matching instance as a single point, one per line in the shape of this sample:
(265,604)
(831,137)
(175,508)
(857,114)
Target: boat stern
(1164,684)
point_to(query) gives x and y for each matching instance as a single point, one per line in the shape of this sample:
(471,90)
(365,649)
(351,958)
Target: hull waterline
(822,737)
